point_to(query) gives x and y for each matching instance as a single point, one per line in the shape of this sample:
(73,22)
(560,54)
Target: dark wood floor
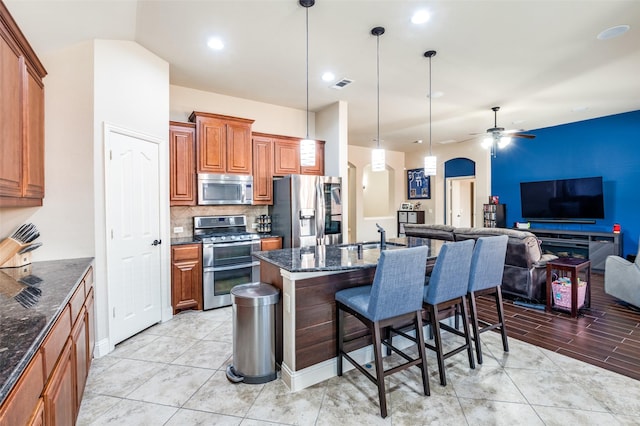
(607,334)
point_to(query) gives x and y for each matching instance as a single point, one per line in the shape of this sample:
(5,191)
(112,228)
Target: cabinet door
(239,158)
(186,277)
(262,170)
(11,65)
(271,243)
(212,145)
(91,324)
(318,168)
(33,160)
(18,408)
(182,170)
(287,157)
(59,394)
(80,355)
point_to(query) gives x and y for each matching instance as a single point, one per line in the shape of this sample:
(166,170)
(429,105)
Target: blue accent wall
(607,146)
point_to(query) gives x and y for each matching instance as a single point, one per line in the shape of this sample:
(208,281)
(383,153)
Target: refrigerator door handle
(320,217)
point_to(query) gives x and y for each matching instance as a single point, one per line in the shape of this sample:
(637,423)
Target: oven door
(228,254)
(218,282)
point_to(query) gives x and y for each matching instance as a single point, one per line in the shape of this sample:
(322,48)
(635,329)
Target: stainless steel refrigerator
(307,210)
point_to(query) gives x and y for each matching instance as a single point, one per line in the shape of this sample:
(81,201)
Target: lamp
(430,161)
(307,146)
(377,155)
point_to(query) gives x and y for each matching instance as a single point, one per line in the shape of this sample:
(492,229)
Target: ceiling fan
(497,137)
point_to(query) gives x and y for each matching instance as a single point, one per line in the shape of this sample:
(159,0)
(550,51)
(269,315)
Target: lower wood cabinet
(186,277)
(271,243)
(50,389)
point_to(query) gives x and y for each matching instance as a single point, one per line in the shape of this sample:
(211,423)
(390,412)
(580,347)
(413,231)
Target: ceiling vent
(342,83)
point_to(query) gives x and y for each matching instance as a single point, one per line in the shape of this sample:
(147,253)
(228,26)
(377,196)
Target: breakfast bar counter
(308,279)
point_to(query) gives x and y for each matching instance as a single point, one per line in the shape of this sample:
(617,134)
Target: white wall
(366,229)
(268,118)
(65,220)
(435,207)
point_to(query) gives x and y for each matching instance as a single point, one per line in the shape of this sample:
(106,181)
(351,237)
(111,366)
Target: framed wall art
(418,185)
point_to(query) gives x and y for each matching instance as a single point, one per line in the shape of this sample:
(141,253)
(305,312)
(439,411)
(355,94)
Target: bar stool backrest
(450,276)
(398,283)
(487,263)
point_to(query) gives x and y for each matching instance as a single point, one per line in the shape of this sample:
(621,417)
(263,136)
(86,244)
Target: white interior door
(133,218)
(460,201)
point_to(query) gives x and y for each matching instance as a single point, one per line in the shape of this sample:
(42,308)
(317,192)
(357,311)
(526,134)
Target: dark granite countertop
(31,299)
(339,257)
(184,240)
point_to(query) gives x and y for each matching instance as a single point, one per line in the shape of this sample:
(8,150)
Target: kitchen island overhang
(308,279)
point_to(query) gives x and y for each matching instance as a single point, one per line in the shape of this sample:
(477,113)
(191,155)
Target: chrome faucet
(383,238)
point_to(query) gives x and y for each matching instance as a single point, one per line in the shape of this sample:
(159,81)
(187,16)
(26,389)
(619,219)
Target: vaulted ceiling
(541,61)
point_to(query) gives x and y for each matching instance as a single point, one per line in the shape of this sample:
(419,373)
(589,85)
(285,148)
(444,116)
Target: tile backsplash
(183,216)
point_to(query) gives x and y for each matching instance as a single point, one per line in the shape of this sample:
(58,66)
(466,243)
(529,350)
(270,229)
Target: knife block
(17,260)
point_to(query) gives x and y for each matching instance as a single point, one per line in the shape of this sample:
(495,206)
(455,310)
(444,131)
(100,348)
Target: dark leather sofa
(524,275)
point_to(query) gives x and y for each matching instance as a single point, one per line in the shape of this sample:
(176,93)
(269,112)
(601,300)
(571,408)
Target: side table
(571,266)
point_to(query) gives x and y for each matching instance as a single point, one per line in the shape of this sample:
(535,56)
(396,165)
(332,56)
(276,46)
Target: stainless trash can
(254,315)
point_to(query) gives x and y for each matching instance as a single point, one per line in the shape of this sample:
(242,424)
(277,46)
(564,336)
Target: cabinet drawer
(181,253)
(88,281)
(56,340)
(412,217)
(402,217)
(76,302)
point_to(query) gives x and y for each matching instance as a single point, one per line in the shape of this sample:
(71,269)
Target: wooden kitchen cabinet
(318,168)
(186,277)
(270,243)
(23,402)
(287,157)
(223,143)
(22,117)
(59,393)
(80,352)
(182,164)
(262,170)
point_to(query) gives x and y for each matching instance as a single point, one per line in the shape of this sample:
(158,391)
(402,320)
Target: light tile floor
(174,374)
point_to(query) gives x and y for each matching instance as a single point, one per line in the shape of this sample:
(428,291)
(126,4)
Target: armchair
(622,279)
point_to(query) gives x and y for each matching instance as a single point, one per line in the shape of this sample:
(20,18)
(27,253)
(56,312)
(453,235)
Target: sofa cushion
(523,248)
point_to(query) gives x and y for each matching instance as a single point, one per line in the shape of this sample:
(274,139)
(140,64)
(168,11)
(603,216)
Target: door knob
(156,242)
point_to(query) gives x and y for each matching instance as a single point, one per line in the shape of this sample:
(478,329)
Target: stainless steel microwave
(217,189)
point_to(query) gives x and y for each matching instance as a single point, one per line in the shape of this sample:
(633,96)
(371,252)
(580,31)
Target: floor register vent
(342,83)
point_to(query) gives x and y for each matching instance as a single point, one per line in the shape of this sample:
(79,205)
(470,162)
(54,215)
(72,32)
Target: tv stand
(595,246)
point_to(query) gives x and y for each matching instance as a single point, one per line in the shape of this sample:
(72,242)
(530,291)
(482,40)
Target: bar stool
(487,267)
(396,294)
(446,292)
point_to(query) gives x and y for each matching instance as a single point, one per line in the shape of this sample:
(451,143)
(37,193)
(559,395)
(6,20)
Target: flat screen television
(563,199)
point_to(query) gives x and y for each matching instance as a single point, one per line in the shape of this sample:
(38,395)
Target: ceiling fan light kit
(498,137)
(307,146)
(378,161)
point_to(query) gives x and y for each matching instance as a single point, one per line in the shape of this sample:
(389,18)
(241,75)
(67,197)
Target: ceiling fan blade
(523,135)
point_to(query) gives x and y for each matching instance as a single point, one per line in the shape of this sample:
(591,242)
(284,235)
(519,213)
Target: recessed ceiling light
(420,17)
(328,76)
(418,141)
(613,32)
(516,122)
(215,43)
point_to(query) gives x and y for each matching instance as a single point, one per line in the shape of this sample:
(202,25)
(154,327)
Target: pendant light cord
(378,84)
(307,63)
(430,105)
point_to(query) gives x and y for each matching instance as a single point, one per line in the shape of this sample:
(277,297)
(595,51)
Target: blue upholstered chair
(396,294)
(446,293)
(487,267)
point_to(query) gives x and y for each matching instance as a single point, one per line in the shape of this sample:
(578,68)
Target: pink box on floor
(562,293)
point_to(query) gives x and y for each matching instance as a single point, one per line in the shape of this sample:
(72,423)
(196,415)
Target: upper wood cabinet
(318,168)
(223,143)
(22,117)
(262,170)
(182,166)
(287,157)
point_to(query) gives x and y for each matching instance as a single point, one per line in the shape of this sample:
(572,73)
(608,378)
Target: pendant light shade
(378,161)
(307,146)
(430,161)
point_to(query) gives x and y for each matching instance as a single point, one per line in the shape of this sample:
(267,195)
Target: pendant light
(377,155)
(307,146)
(430,161)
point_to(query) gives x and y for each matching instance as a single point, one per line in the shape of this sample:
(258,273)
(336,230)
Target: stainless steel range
(226,256)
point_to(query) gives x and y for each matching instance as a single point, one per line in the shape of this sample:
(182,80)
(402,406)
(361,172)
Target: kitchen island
(308,279)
